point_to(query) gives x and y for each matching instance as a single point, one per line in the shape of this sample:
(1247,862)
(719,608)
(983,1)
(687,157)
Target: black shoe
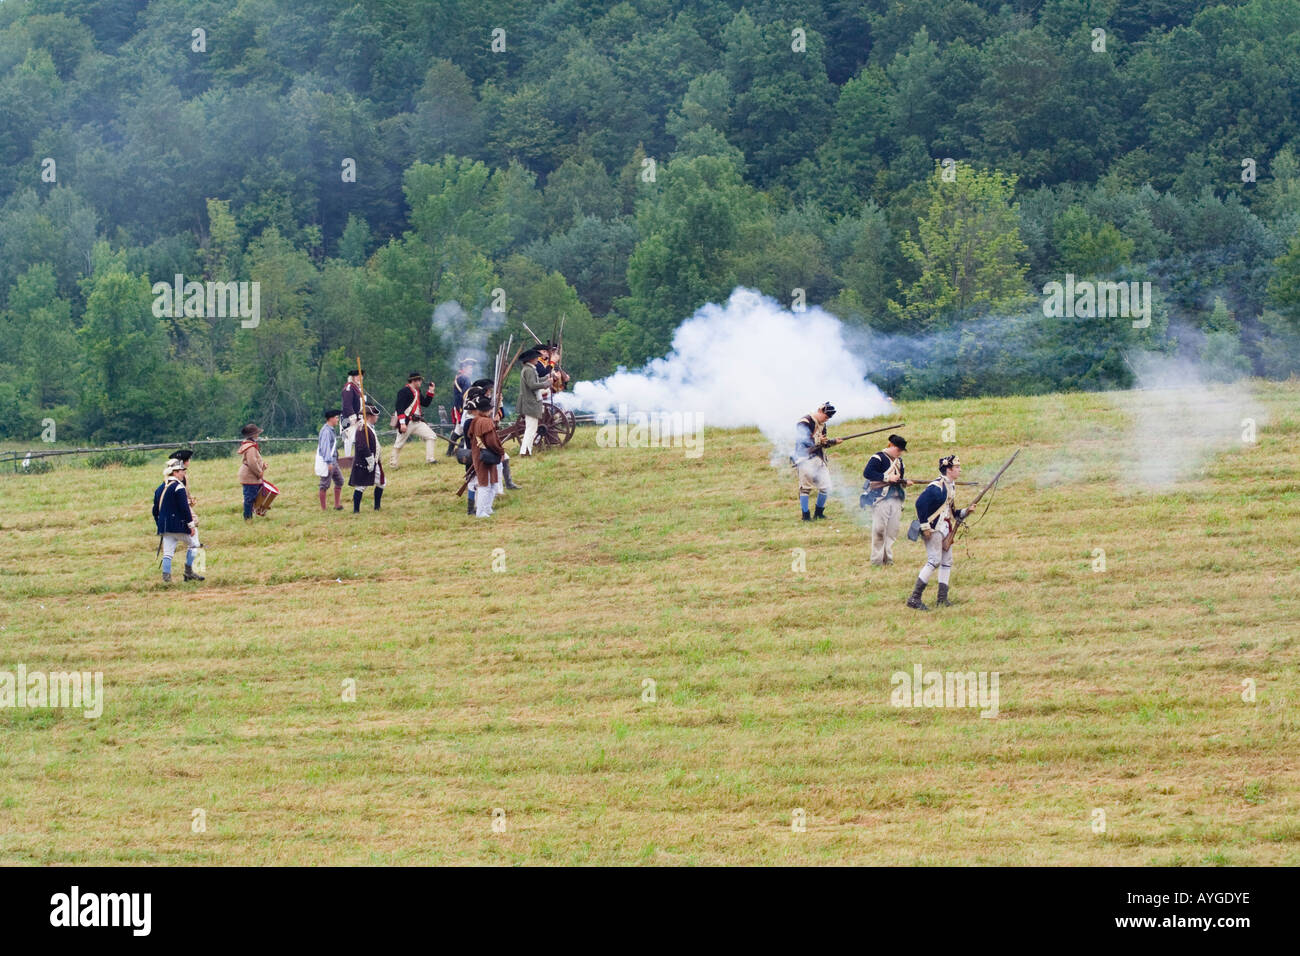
(191,576)
(807,516)
(819,513)
(943,597)
(915,600)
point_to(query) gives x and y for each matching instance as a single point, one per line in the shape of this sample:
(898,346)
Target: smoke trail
(747,363)
(467,338)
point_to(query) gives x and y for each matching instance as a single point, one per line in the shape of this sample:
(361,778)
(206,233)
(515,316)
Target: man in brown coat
(251,468)
(486,453)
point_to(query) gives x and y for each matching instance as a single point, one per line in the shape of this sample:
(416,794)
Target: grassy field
(522,690)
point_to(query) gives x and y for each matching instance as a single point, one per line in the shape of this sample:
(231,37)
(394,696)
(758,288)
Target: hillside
(1120,690)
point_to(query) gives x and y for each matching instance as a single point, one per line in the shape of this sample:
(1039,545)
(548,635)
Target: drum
(262,503)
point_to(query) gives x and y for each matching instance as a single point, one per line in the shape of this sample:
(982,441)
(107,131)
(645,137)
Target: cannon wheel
(570,424)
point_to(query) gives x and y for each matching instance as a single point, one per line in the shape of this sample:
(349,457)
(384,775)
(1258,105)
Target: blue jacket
(171,508)
(877,465)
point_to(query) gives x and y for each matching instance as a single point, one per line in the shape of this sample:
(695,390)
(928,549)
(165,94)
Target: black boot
(190,575)
(510,484)
(819,513)
(379,494)
(943,597)
(915,600)
(356,502)
(807,516)
(469,509)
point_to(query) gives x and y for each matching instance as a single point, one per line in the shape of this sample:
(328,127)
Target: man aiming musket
(809,458)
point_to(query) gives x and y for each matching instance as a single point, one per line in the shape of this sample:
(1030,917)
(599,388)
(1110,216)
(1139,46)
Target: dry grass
(522,690)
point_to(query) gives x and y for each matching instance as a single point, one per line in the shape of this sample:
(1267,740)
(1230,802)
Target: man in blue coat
(937,512)
(174,520)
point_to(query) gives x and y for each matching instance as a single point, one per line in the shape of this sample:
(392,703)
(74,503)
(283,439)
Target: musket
(872,432)
(531,332)
(956,521)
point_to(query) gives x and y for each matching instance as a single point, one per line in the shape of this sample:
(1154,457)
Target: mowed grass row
(524,690)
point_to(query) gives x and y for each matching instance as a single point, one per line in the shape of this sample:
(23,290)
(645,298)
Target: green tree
(968,248)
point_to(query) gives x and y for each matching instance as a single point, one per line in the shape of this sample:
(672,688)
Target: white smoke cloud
(1181,420)
(467,337)
(747,363)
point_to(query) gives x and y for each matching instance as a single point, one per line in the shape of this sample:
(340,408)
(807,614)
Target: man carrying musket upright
(937,512)
(534,383)
(883,494)
(352,416)
(810,447)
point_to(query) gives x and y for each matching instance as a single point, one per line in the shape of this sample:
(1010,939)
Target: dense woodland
(624,163)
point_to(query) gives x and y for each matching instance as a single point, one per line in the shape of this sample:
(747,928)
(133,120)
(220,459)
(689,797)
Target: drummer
(252,468)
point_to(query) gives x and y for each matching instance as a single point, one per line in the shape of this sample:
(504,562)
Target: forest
(406,180)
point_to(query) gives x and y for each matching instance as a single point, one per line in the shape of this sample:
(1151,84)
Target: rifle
(836,441)
(913,481)
(956,521)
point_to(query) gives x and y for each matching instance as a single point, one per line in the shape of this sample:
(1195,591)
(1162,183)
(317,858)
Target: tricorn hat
(413,376)
(250,431)
(466,362)
(355,371)
(482,383)
(530,354)
(372,409)
(183,454)
(331,412)
(827,409)
(899,442)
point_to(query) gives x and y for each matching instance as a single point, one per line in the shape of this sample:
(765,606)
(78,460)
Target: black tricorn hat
(183,455)
(899,442)
(331,412)
(482,383)
(355,371)
(414,375)
(531,354)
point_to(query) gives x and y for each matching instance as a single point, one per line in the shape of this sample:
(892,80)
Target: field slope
(524,690)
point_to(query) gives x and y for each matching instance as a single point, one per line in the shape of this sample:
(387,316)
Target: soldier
(351,413)
(367,466)
(884,495)
(409,404)
(458,390)
(533,384)
(175,522)
(810,458)
(935,510)
(486,452)
(327,460)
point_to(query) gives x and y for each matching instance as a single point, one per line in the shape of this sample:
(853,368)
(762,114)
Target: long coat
(367,468)
(531,384)
(483,434)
